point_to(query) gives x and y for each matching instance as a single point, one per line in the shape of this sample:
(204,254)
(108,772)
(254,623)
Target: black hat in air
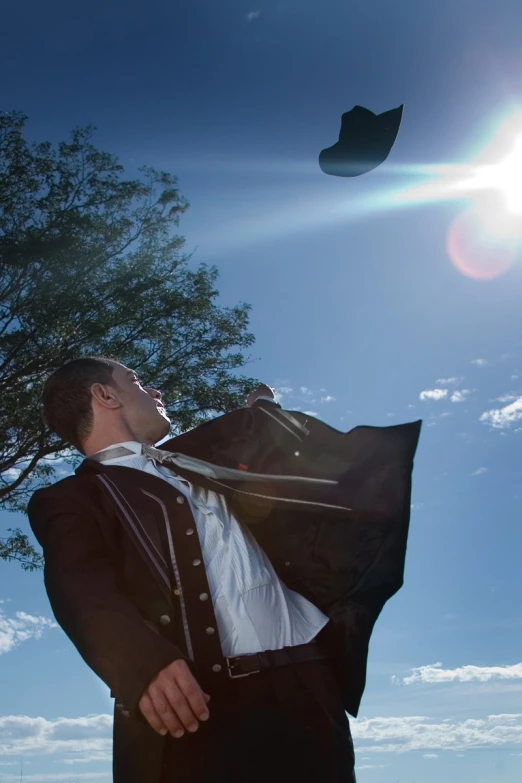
(365,141)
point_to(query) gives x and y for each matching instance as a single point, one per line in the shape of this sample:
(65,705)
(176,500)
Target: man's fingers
(174,701)
(180,706)
(151,716)
(194,695)
(166,711)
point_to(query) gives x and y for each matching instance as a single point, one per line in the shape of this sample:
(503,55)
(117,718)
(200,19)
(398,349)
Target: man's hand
(261,391)
(174,702)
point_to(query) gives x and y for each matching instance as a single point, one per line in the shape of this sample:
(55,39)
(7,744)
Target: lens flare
(480,248)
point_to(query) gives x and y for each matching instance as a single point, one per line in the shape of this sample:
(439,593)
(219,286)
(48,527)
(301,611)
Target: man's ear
(105,396)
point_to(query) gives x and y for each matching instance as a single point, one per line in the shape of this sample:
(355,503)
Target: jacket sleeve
(269,438)
(252,439)
(281,423)
(82,584)
(352,625)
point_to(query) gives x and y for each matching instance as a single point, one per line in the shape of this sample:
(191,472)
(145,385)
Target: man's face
(142,407)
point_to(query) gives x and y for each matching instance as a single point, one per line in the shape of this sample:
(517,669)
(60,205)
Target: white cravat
(254,610)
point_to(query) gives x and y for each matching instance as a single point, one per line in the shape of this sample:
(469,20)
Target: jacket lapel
(126,490)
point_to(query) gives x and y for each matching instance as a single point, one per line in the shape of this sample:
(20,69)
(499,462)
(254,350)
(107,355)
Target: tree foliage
(90,263)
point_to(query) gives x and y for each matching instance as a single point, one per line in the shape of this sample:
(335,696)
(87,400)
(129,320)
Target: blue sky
(359,315)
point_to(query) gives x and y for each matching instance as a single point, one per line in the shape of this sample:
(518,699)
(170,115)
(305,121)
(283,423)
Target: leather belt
(245,665)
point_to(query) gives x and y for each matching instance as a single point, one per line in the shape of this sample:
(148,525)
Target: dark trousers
(284,725)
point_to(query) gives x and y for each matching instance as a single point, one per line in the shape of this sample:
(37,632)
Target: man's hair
(67,405)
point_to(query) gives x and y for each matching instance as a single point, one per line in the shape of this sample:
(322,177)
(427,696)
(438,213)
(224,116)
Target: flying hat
(365,141)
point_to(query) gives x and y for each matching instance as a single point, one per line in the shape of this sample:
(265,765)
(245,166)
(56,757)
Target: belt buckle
(230,667)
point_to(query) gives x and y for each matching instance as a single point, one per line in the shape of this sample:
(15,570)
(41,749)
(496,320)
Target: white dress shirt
(254,610)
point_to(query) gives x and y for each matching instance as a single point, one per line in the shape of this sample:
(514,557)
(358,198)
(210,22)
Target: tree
(90,264)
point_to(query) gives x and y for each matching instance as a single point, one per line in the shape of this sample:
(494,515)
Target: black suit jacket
(110,580)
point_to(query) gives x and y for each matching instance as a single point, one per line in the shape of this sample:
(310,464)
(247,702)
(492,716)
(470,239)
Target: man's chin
(164,426)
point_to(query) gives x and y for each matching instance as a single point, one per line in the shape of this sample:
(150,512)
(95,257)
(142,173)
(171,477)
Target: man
(225,586)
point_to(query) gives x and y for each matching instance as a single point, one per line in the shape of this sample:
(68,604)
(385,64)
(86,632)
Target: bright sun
(498,169)
(505,177)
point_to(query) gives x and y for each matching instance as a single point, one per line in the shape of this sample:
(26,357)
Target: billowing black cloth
(365,141)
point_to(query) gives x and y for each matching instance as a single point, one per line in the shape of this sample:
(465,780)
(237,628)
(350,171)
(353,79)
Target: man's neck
(133,445)
(96,444)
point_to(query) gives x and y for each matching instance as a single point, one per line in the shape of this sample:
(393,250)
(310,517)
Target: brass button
(196,561)
(164,619)
(180,499)
(203,597)
(216,668)
(189,531)
(177,591)
(210,631)
(297,453)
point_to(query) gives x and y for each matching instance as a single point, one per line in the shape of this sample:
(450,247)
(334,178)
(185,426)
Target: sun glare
(506,177)
(497,170)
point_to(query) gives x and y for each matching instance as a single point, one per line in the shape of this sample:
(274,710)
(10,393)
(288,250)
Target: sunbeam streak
(496,171)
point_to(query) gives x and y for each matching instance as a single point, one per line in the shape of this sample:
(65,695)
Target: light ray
(497,170)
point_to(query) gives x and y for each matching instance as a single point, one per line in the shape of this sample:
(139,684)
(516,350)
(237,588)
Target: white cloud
(433,394)
(89,758)
(503,418)
(434,673)
(20,628)
(281,392)
(90,738)
(305,390)
(505,398)
(11,474)
(53,777)
(430,756)
(479,362)
(328,398)
(252,15)
(447,381)
(460,396)
(479,471)
(416,733)
(22,734)
(371,766)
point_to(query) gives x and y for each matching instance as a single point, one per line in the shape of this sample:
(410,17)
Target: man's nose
(154,393)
